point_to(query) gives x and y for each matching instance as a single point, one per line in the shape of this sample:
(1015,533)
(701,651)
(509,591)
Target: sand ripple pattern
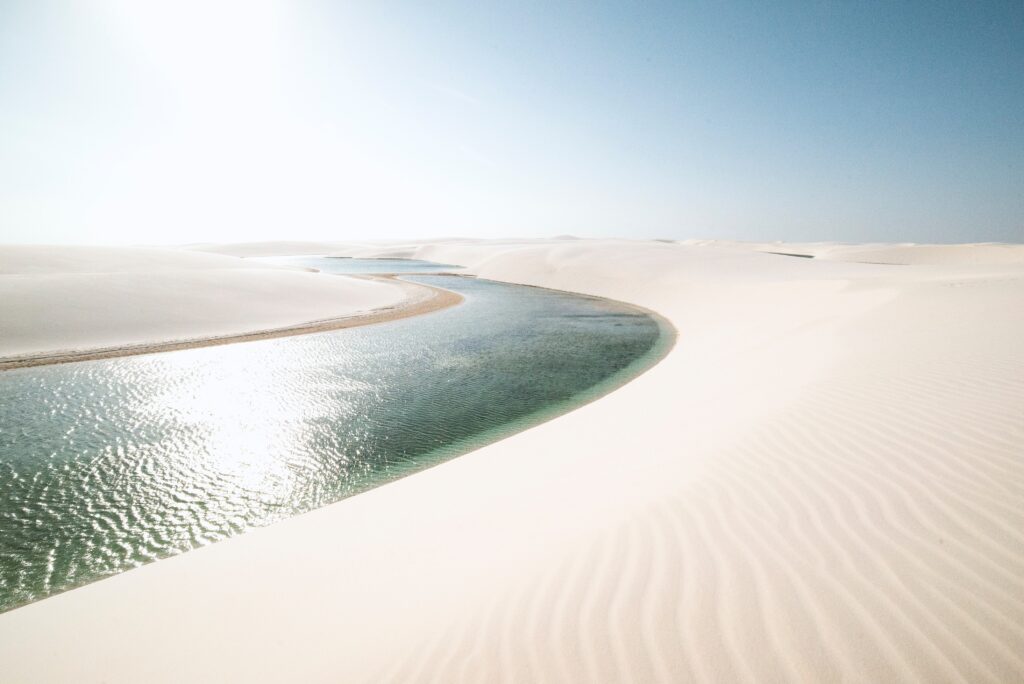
(107,465)
(868,540)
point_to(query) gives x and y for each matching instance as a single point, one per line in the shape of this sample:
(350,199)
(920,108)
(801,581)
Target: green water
(107,465)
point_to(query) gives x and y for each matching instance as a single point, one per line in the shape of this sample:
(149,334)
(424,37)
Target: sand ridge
(421,299)
(61,304)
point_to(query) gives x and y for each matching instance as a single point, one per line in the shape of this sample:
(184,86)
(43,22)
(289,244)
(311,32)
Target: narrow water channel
(107,465)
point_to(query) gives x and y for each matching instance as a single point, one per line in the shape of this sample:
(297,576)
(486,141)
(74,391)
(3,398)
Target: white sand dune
(276,248)
(955,255)
(822,481)
(61,300)
(983,254)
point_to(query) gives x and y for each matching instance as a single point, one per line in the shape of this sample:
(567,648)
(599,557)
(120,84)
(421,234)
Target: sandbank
(61,304)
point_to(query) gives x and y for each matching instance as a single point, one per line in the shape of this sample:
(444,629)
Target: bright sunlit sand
(821,481)
(62,304)
(483,342)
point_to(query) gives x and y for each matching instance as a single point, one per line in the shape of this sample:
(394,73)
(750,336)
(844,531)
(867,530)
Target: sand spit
(61,304)
(421,299)
(822,481)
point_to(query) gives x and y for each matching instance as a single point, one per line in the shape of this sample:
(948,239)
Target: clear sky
(135,121)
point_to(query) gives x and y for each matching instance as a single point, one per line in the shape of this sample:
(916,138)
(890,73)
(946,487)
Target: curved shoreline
(416,304)
(647,357)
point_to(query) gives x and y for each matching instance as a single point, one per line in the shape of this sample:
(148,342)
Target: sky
(129,121)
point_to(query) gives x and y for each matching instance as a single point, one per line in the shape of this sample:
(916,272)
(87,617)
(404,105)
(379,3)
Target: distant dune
(279,248)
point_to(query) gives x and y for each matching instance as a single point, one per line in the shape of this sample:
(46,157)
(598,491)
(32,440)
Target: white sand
(258,249)
(822,481)
(60,299)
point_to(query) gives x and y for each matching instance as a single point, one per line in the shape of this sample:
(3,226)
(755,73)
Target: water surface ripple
(106,465)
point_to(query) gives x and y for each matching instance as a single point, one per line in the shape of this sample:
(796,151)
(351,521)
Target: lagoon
(106,465)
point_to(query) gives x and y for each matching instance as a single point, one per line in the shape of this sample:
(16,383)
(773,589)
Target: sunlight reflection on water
(105,465)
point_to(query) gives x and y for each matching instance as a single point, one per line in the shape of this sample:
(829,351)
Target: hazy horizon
(137,123)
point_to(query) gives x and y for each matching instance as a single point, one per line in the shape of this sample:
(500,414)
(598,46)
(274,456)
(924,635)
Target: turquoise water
(344,265)
(107,465)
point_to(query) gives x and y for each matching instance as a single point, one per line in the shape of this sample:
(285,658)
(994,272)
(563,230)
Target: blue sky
(130,121)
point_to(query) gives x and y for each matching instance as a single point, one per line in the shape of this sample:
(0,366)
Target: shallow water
(354,266)
(106,465)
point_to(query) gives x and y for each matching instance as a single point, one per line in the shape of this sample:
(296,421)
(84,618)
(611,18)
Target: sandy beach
(62,304)
(822,481)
